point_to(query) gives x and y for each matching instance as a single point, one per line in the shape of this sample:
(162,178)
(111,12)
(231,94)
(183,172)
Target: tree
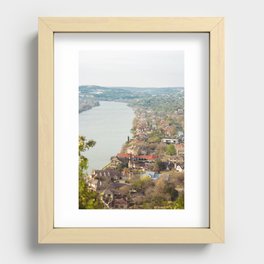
(179,203)
(170,189)
(84,145)
(88,199)
(170,150)
(124,190)
(154,139)
(143,183)
(159,166)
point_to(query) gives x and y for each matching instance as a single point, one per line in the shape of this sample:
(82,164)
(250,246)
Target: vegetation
(159,99)
(161,193)
(170,150)
(88,199)
(87,102)
(156,179)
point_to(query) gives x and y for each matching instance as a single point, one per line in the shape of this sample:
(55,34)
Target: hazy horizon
(126,86)
(139,69)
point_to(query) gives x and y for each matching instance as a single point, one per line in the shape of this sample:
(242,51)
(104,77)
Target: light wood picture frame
(47,233)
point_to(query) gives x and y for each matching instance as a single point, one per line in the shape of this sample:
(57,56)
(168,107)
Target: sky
(132,68)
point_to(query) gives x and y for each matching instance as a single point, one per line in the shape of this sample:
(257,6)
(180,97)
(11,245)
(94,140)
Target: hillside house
(180,111)
(170,140)
(179,168)
(94,184)
(152,174)
(179,149)
(108,174)
(146,158)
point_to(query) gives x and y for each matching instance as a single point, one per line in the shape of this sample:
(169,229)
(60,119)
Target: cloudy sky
(132,68)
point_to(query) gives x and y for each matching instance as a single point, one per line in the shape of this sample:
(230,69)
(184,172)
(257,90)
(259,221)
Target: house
(170,140)
(180,111)
(136,161)
(115,162)
(146,158)
(168,165)
(107,174)
(179,149)
(115,186)
(124,156)
(180,133)
(141,161)
(179,168)
(177,159)
(152,174)
(181,139)
(94,184)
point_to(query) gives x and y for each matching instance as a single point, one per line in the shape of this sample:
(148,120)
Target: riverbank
(87,102)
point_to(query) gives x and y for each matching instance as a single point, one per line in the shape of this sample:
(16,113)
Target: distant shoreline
(91,107)
(88,107)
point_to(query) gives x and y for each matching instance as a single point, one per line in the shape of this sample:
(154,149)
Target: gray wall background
(244,133)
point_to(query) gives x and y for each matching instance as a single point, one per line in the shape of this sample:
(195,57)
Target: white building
(170,140)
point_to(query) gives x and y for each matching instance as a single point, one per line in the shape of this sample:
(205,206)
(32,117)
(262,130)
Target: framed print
(131,130)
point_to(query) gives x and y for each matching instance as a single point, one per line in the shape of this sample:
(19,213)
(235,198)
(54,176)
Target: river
(109,125)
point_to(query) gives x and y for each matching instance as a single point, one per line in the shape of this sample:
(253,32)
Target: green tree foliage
(161,194)
(179,203)
(154,139)
(84,145)
(142,183)
(88,199)
(170,150)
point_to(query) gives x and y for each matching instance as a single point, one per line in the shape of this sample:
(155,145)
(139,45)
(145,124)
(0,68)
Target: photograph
(131,129)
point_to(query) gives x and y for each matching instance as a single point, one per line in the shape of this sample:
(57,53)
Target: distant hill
(126,93)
